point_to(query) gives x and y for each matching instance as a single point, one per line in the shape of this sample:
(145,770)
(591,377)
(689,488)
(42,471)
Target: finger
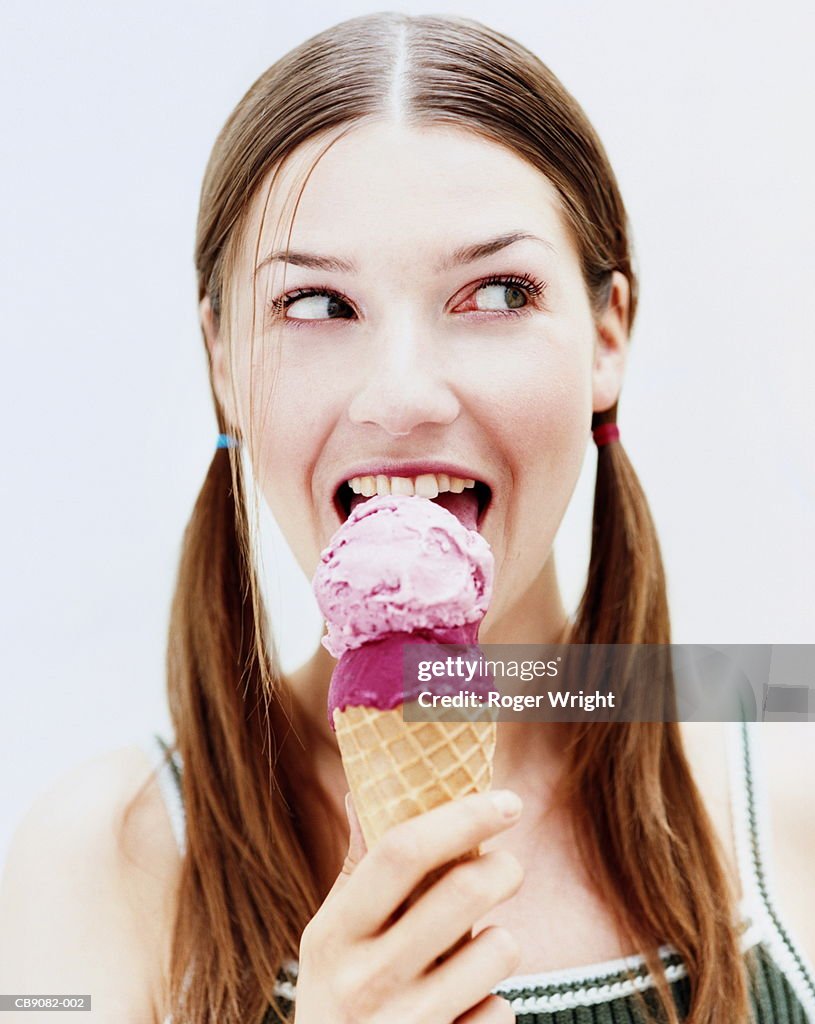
(356,843)
(390,872)
(459,984)
(492,1010)
(466,893)
(356,847)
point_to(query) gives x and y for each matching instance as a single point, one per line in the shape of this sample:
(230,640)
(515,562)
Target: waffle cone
(397,769)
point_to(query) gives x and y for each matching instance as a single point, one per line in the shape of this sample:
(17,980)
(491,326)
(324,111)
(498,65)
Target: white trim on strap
(593,994)
(584,972)
(751,902)
(752,822)
(169,790)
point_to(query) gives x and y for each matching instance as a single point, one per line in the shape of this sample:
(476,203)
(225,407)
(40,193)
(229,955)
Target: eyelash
(533,288)
(530,285)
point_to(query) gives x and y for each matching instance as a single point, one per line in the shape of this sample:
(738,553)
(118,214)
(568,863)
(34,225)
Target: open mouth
(468,499)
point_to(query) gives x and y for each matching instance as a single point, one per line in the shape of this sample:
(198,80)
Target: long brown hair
(247,888)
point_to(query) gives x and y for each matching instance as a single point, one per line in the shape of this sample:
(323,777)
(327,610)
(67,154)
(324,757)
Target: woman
(414,265)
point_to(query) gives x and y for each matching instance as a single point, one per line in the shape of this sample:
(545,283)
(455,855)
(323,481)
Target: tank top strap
(751,825)
(167,764)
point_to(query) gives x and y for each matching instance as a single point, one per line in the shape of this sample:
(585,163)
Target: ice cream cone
(404,570)
(397,769)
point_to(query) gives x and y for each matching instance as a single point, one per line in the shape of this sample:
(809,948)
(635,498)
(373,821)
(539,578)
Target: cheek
(540,412)
(540,404)
(289,425)
(550,419)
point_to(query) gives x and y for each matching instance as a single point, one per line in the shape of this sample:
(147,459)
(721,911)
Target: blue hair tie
(227,441)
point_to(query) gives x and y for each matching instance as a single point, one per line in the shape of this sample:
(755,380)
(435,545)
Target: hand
(362,963)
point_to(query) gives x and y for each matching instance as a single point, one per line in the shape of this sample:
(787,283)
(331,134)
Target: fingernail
(509,804)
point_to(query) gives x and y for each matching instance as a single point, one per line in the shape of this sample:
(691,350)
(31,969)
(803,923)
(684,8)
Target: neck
(533,616)
(529,754)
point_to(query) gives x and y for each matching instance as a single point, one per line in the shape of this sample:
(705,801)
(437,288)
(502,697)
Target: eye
(501,297)
(506,294)
(313,304)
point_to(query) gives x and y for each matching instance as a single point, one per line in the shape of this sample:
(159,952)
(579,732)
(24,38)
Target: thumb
(356,842)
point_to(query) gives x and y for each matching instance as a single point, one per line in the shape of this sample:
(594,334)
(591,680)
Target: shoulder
(783,774)
(88,890)
(706,748)
(788,760)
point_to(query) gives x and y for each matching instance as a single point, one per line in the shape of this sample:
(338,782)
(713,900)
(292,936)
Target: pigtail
(625,600)
(642,828)
(245,881)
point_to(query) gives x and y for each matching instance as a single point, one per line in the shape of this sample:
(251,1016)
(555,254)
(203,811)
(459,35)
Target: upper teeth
(428,485)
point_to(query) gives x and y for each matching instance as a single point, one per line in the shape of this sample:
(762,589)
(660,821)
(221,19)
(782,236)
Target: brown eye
(316,306)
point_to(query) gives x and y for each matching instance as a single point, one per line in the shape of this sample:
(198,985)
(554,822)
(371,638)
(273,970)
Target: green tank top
(782,982)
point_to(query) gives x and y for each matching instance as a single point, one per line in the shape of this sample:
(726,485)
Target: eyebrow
(471,253)
(308,259)
(464,254)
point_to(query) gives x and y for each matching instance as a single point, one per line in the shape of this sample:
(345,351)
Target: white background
(110,112)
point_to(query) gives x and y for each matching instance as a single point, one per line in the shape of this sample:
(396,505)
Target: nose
(404,383)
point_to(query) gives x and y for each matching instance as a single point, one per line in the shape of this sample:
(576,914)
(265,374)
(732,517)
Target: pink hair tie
(606,433)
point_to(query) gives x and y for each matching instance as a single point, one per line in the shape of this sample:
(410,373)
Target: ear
(218,359)
(611,347)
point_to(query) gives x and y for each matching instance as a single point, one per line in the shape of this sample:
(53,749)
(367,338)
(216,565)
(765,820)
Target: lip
(411,469)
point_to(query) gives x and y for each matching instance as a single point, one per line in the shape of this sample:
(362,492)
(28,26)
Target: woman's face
(407,348)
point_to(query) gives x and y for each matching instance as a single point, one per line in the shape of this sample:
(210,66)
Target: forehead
(387,191)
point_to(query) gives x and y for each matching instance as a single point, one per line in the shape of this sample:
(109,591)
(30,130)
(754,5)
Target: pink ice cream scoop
(400,569)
